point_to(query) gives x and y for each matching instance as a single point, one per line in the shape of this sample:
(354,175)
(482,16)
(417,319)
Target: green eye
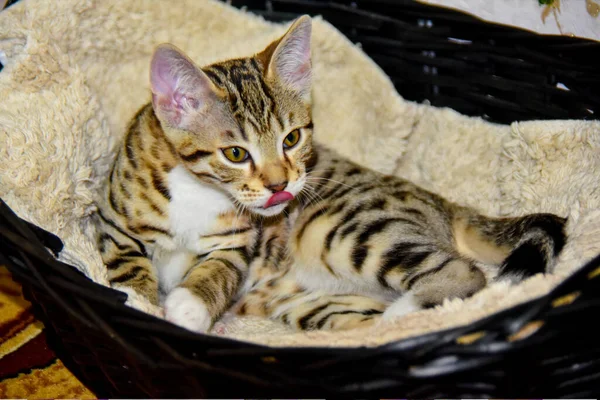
(235,154)
(291,139)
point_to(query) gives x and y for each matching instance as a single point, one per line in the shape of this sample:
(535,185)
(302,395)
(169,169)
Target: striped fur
(181,219)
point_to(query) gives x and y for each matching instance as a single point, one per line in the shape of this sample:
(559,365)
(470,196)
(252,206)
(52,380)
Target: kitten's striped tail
(520,246)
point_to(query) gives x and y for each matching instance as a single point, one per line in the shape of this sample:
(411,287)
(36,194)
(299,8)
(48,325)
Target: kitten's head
(244,124)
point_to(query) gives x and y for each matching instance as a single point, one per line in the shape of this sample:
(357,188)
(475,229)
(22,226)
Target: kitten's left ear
(289,57)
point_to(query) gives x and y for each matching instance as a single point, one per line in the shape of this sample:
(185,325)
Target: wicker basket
(543,348)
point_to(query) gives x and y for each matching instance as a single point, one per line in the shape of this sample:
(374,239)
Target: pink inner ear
(180,100)
(162,79)
(175,83)
(292,58)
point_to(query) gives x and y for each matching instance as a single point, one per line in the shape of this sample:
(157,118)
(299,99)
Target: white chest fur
(193,210)
(194,207)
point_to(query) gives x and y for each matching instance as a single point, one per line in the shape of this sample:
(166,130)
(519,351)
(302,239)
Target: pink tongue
(278,198)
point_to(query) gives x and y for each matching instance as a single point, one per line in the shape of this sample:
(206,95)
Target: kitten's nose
(277,187)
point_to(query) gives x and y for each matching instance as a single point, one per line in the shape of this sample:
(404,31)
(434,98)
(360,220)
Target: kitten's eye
(236,154)
(291,139)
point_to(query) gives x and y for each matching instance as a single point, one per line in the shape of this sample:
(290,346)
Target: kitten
(218,198)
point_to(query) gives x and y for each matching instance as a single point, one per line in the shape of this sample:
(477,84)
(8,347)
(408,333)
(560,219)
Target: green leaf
(546,2)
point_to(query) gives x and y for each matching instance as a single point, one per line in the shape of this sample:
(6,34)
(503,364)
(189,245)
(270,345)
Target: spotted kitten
(218,198)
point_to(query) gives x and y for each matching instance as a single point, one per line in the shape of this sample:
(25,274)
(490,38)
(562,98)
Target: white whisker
(313,197)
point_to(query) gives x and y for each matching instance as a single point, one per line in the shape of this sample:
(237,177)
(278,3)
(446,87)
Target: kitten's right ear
(179,87)
(288,58)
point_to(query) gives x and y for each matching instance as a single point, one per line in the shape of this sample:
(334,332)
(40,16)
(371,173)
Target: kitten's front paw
(186,310)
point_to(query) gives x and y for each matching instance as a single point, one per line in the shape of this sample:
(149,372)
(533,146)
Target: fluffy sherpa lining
(77,70)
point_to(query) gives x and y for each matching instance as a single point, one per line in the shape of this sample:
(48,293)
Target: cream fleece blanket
(77,70)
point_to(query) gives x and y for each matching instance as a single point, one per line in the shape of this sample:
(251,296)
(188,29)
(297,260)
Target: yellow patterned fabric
(28,368)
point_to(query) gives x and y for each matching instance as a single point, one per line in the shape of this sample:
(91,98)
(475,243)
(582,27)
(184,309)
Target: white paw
(402,306)
(186,310)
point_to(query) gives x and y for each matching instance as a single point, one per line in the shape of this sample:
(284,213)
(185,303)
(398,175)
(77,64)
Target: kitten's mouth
(278,198)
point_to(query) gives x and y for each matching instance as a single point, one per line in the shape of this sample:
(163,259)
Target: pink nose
(278,187)
(278,198)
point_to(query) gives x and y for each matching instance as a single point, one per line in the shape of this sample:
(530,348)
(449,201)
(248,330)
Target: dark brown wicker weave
(548,347)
